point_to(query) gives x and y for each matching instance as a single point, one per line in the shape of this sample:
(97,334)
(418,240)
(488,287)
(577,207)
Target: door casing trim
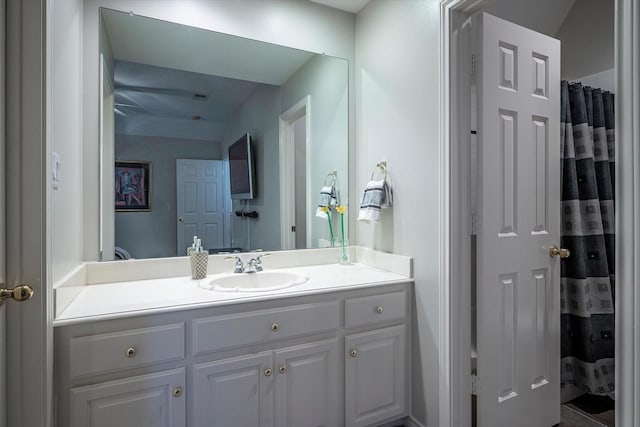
(455,331)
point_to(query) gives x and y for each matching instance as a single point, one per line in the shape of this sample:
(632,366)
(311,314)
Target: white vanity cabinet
(236,391)
(375,361)
(293,386)
(330,359)
(375,376)
(154,400)
(306,384)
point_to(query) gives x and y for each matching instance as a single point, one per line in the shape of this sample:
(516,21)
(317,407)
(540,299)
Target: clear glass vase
(343,252)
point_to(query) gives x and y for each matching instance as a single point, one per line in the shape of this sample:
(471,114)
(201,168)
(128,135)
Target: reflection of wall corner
(251,214)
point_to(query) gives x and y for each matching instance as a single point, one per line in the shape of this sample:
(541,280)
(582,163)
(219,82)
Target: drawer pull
(130,352)
(177,392)
(267,372)
(379,309)
(282,369)
(353,353)
(275,327)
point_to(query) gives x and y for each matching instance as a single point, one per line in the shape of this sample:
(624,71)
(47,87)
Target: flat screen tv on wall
(242,169)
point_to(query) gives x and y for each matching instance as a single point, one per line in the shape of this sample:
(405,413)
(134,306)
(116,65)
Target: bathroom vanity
(331,352)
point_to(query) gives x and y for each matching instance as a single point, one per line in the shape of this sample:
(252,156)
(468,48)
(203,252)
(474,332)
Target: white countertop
(139,297)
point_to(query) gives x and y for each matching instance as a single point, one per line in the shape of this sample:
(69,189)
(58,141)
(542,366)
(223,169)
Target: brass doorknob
(555,251)
(19,293)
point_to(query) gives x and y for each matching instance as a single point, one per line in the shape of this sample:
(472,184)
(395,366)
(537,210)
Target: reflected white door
(200,203)
(518,283)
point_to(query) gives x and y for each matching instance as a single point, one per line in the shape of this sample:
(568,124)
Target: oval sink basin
(257,282)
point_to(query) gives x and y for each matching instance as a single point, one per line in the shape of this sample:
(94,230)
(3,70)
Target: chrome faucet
(239,267)
(254,265)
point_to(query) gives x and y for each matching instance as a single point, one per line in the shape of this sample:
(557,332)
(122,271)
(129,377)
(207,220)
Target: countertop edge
(57,323)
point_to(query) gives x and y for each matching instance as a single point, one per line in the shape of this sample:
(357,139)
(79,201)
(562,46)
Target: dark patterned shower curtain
(588,231)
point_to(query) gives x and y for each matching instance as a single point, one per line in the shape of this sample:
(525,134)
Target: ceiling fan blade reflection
(155,90)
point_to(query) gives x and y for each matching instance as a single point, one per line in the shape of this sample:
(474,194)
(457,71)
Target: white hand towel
(377,195)
(328,200)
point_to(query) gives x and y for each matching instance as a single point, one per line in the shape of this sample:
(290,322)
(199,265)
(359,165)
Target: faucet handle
(258,261)
(259,257)
(239,268)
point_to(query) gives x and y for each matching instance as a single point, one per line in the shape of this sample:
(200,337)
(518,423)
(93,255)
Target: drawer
(128,349)
(223,332)
(374,309)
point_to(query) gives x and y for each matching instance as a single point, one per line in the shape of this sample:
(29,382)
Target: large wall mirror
(180,105)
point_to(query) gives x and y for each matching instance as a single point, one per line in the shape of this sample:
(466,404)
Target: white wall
(259,116)
(587,37)
(66,135)
(298,24)
(325,79)
(154,234)
(397,91)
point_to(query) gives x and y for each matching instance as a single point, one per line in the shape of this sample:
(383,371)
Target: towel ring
(380,166)
(333,175)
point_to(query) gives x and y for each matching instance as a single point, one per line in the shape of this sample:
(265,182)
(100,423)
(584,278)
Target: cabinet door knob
(353,353)
(379,309)
(267,372)
(131,351)
(177,392)
(275,327)
(282,369)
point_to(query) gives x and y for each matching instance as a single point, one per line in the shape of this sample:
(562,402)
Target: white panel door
(518,283)
(3,278)
(28,339)
(307,385)
(200,203)
(154,400)
(234,392)
(374,376)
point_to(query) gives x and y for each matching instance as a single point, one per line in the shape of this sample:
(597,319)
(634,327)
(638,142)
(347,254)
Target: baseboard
(404,422)
(411,422)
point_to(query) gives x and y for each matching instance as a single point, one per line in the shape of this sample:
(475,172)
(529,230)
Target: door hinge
(474,384)
(473,65)
(474,224)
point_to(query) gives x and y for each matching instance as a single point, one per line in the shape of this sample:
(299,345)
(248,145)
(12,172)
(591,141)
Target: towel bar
(379,166)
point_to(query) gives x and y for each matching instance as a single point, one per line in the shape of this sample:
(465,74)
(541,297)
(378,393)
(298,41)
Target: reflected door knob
(19,293)
(180,219)
(555,251)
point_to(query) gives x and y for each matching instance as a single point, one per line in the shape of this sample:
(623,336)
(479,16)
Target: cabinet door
(375,376)
(153,400)
(307,385)
(234,392)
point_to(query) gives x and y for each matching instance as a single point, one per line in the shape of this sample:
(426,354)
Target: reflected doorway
(295,136)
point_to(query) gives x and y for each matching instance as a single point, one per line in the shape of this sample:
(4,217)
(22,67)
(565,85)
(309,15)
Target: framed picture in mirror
(132,186)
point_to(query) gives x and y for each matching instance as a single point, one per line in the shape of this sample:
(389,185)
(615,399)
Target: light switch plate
(55,170)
